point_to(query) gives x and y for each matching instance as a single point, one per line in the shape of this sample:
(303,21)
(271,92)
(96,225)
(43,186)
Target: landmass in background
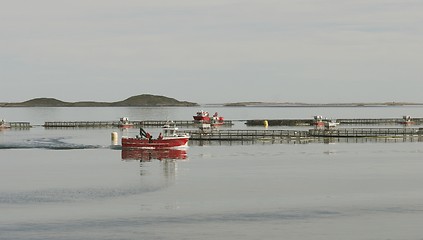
(148,100)
(135,101)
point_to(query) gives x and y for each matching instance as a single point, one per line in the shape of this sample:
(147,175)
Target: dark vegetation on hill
(144,100)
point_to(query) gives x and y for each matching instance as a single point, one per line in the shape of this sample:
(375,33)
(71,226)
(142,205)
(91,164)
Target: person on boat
(160,137)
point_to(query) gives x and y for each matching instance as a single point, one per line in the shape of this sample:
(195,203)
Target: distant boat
(217,120)
(204,118)
(318,121)
(4,124)
(406,120)
(169,138)
(331,124)
(125,123)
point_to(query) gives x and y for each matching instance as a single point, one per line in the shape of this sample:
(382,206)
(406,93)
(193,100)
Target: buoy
(266,123)
(115,138)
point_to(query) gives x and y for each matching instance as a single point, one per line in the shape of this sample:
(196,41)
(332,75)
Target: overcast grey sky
(212,51)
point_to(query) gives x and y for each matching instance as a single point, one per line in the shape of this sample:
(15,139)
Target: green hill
(43,102)
(152,100)
(140,100)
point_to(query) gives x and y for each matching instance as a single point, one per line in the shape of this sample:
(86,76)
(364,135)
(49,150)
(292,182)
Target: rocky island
(144,100)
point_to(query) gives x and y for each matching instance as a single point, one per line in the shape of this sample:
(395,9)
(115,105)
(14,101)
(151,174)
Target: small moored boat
(169,138)
(217,120)
(319,121)
(4,124)
(204,118)
(406,120)
(125,123)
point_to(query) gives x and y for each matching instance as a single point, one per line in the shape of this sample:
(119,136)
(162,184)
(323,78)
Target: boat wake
(48,143)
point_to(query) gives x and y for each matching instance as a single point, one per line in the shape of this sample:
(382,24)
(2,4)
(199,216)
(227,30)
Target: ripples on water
(47,143)
(69,184)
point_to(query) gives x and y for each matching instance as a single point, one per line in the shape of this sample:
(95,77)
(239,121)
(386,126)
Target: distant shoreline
(287,105)
(147,100)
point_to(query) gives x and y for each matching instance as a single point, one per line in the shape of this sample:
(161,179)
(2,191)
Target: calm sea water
(69,183)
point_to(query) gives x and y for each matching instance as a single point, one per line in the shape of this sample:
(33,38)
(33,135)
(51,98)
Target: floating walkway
(246,135)
(100,124)
(310,122)
(19,125)
(252,135)
(160,123)
(378,121)
(367,132)
(81,124)
(228,123)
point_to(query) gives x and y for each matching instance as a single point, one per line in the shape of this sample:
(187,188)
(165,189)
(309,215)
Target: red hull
(202,118)
(319,124)
(136,143)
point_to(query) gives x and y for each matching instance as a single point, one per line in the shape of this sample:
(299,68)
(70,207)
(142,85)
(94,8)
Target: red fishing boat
(318,121)
(217,120)
(169,138)
(202,116)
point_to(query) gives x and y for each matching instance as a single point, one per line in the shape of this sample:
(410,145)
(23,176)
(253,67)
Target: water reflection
(146,155)
(168,159)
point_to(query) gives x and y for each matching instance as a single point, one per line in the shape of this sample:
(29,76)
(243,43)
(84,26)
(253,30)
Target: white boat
(125,123)
(331,124)
(4,124)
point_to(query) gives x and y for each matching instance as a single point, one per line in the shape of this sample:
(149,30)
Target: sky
(212,51)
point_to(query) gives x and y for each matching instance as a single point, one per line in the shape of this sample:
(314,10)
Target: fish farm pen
(99,124)
(367,132)
(84,124)
(188,123)
(241,135)
(228,123)
(324,140)
(377,121)
(20,124)
(310,122)
(222,134)
(246,135)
